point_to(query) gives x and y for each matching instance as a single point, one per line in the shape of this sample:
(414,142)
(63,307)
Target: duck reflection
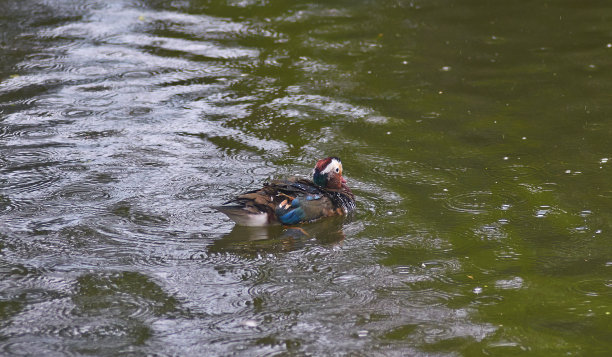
(272,239)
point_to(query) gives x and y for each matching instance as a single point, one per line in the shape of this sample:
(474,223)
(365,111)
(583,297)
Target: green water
(474,134)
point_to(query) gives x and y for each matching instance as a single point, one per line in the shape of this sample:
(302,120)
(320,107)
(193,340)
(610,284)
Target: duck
(294,200)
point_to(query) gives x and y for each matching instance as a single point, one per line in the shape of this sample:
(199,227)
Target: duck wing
(308,202)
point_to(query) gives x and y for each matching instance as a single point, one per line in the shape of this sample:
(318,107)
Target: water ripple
(81,191)
(125,121)
(479,202)
(42,62)
(307,105)
(7,204)
(594,287)
(419,297)
(30,178)
(25,346)
(197,48)
(514,172)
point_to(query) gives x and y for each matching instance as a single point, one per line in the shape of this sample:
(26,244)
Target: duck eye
(337,169)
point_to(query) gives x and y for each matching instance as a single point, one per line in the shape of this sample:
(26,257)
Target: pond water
(475,135)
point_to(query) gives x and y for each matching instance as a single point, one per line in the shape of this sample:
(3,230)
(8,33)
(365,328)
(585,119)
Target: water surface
(474,133)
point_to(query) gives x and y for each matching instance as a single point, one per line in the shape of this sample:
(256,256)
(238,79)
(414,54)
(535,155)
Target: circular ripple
(594,287)
(194,191)
(513,172)
(83,191)
(418,172)
(236,172)
(251,162)
(35,180)
(352,287)
(48,62)
(479,202)
(233,269)
(16,131)
(121,294)
(27,346)
(77,113)
(435,332)
(127,112)
(236,325)
(414,296)
(138,74)
(302,297)
(95,71)
(487,300)
(430,272)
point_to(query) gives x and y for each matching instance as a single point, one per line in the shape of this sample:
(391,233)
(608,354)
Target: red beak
(343,179)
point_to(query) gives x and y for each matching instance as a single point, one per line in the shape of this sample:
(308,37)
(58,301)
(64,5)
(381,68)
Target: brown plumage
(294,200)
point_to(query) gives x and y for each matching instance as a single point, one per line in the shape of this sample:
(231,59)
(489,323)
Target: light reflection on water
(478,152)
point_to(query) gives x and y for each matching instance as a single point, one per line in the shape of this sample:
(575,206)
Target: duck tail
(244,217)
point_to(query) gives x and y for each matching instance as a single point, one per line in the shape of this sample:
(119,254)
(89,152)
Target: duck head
(328,173)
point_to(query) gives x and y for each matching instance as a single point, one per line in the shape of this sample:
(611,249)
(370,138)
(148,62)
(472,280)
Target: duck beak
(343,179)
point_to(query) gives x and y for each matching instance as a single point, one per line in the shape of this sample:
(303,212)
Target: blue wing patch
(292,217)
(296,214)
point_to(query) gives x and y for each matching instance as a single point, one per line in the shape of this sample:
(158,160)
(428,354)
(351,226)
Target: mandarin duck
(294,200)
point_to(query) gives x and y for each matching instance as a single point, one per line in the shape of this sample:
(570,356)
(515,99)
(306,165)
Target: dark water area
(475,135)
